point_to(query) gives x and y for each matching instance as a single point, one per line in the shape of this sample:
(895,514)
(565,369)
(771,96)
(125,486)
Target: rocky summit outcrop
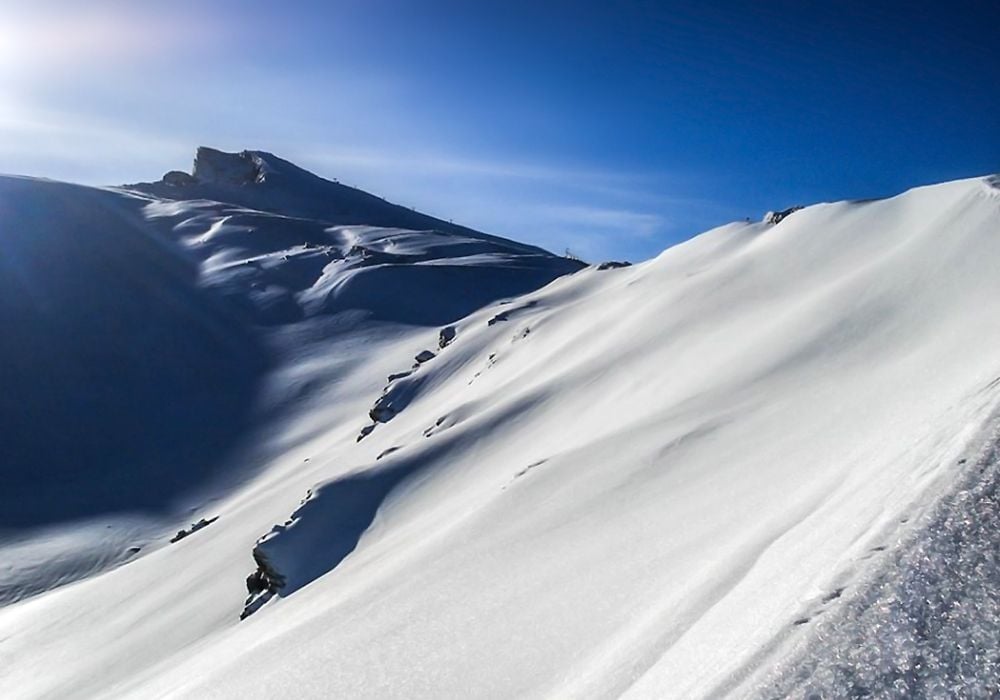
(613,264)
(776,217)
(243,168)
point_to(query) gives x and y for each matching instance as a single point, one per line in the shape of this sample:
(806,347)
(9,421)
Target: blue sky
(611,129)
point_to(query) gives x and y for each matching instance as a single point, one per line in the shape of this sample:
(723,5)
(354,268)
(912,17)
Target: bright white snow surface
(632,482)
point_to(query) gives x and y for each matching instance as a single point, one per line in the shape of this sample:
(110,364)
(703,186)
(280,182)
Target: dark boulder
(262,585)
(382,412)
(446,336)
(178,178)
(424,356)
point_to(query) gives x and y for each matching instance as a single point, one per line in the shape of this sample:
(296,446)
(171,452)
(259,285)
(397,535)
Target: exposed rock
(505,315)
(437,424)
(262,585)
(242,168)
(424,356)
(446,336)
(386,452)
(395,395)
(178,178)
(181,534)
(776,217)
(256,582)
(613,264)
(529,468)
(382,412)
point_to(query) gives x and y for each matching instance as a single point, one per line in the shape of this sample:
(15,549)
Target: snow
(656,481)
(928,625)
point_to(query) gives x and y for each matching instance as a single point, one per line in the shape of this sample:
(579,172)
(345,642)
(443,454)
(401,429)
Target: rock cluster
(776,217)
(613,264)
(181,534)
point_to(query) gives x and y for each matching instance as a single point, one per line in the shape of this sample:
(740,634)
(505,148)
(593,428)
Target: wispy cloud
(596,213)
(622,221)
(438,163)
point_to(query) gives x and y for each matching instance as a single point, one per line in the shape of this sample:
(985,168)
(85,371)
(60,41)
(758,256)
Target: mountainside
(762,463)
(135,365)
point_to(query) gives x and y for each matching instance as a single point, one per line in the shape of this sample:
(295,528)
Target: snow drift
(684,478)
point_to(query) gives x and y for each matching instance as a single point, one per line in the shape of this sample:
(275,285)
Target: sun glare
(8,47)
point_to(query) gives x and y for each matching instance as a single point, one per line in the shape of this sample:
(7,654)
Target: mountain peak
(265,182)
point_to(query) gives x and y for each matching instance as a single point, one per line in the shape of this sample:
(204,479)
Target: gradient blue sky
(613,129)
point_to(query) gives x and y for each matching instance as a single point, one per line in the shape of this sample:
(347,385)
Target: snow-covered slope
(675,479)
(134,366)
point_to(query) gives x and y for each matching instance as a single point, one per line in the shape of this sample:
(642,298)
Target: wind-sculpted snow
(325,528)
(133,359)
(56,555)
(281,270)
(284,244)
